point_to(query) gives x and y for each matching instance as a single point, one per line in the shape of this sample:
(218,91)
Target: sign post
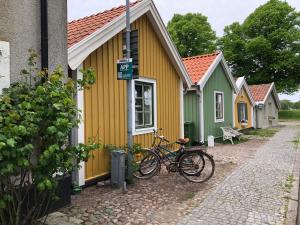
(129,98)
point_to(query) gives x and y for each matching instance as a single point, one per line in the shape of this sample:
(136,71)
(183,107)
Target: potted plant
(244,123)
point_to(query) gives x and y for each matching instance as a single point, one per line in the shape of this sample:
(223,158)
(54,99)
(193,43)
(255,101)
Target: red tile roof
(259,91)
(81,28)
(198,65)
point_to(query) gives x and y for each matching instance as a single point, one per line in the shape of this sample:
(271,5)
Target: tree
(266,46)
(297,105)
(286,104)
(192,34)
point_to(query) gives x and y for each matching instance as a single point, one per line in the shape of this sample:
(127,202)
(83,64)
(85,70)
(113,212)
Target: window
(144,105)
(219,106)
(242,112)
(134,51)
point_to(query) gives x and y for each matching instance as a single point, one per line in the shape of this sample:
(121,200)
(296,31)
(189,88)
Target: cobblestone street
(247,189)
(254,193)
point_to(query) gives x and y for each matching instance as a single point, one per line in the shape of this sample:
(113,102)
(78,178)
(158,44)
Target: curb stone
(293,196)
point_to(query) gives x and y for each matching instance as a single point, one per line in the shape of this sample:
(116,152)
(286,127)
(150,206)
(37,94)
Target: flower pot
(62,191)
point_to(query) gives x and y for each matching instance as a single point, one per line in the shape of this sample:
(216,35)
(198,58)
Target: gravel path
(254,193)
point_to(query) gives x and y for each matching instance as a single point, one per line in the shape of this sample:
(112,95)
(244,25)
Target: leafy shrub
(36,118)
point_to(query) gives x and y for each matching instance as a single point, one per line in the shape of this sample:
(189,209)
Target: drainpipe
(44,34)
(198,93)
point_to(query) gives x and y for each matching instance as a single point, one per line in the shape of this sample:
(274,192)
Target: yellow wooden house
(243,106)
(98,42)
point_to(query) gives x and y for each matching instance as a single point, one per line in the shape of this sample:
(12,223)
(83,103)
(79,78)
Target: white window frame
(4,65)
(148,129)
(215,109)
(245,108)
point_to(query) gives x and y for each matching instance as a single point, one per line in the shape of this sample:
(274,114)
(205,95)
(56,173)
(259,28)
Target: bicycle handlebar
(160,137)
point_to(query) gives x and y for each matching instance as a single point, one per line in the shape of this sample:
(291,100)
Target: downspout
(198,93)
(44,34)
(256,117)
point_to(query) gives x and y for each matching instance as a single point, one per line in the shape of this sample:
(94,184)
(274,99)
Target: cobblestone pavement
(161,200)
(253,194)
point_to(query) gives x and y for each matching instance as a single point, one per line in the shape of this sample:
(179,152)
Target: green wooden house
(209,103)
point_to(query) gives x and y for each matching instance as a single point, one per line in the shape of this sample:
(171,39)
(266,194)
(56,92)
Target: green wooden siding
(217,82)
(191,112)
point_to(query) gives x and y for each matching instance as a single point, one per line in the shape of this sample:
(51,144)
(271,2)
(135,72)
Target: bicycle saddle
(183,141)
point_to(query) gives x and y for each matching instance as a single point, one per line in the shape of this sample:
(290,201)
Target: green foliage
(288,184)
(296,105)
(286,104)
(37,118)
(261,132)
(136,148)
(289,114)
(192,34)
(265,47)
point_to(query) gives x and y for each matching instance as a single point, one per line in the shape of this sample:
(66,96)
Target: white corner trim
(218,120)
(81,133)
(252,115)
(148,129)
(233,108)
(181,109)
(202,116)
(80,51)
(239,82)
(4,65)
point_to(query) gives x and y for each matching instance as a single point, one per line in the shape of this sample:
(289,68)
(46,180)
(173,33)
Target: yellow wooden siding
(105,109)
(243,97)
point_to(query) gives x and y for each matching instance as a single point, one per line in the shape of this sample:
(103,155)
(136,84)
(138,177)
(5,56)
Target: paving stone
(252,194)
(255,190)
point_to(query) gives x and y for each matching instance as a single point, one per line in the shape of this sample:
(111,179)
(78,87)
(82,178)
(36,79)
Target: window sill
(143,131)
(219,121)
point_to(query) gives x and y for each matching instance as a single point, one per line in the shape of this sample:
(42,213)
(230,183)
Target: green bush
(36,118)
(289,114)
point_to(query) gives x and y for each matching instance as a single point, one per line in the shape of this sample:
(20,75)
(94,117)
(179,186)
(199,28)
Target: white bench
(229,133)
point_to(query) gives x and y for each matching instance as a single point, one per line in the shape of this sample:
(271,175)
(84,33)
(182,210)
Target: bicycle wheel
(197,167)
(148,166)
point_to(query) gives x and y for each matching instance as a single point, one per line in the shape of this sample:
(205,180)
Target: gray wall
(20,25)
(269,110)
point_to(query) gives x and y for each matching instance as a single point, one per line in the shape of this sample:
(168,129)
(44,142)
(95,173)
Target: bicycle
(194,164)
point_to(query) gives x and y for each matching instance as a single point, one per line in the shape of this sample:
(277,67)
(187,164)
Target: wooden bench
(229,133)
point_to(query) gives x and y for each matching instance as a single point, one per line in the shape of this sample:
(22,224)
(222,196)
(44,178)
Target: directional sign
(124,69)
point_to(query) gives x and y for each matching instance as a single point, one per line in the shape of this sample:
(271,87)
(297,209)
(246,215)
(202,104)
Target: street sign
(124,69)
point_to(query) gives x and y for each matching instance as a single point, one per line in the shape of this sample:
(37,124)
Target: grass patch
(190,195)
(289,114)
(296,141)
(235,140)
(288,184)
(262,132)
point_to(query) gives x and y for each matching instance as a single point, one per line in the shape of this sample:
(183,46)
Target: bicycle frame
(163,152)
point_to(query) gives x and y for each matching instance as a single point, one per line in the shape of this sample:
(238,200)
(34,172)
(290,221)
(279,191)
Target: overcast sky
(219,12)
